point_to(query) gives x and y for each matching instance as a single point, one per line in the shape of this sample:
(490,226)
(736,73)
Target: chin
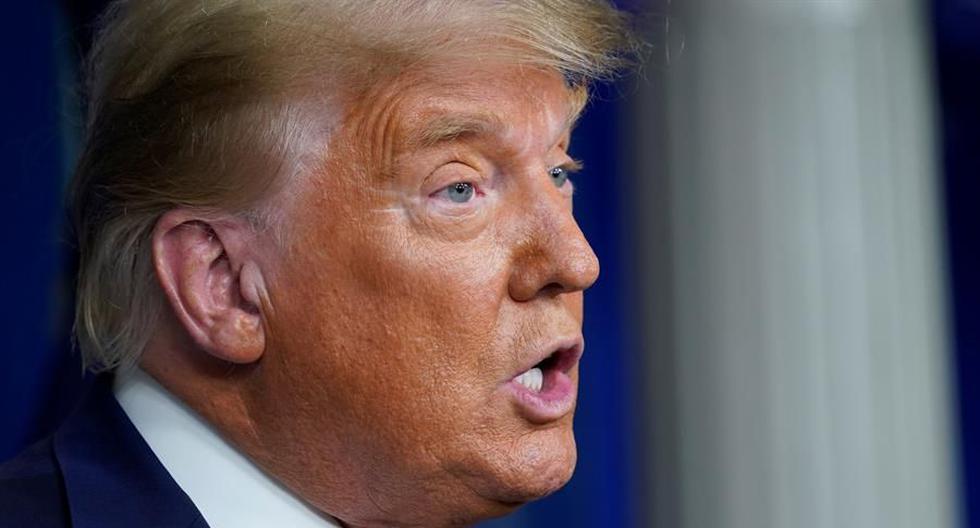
(485,483)
(533,467)
(500,495)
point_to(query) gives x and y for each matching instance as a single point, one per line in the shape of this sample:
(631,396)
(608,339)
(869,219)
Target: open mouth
(546,392)
(533,378)
(537,377)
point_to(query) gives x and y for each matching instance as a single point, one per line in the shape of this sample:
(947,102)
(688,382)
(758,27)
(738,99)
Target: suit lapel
(112,478)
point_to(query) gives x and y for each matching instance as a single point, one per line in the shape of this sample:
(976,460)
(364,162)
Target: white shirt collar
(227,488)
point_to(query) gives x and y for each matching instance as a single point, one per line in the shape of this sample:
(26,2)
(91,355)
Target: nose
(553,257)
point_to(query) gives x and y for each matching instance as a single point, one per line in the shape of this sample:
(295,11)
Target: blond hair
(184,93)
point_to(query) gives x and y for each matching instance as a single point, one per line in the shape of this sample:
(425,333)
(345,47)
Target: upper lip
(569,350)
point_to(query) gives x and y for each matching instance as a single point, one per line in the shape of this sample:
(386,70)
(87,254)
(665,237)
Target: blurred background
(787,326)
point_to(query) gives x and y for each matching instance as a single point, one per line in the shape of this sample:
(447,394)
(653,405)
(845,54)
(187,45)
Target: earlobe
(212,292)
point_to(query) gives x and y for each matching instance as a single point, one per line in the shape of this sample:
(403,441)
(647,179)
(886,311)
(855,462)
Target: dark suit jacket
(96,471)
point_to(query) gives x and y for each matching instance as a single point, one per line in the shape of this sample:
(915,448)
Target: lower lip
(556,399)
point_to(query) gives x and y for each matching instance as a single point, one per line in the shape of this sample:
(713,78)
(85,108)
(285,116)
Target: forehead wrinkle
(377,129)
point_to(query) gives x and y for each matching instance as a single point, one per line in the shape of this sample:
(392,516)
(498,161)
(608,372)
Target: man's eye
(559,175)
(459,192)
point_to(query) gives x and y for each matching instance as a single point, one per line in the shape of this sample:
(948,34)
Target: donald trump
(329,268)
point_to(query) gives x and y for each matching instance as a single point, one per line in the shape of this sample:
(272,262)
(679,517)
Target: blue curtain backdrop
(40,378)
(957,24)
(43,377)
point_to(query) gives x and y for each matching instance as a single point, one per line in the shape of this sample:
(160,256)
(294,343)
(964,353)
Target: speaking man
(328,264)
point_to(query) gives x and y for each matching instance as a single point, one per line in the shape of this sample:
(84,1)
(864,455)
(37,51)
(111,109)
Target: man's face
(431,261)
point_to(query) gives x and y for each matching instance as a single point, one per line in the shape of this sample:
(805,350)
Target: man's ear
(215,291)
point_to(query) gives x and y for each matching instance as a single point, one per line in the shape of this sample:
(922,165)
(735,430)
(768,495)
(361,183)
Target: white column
(795,295)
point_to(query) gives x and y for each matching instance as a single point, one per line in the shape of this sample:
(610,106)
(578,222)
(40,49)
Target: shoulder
(96,471)
(31,489)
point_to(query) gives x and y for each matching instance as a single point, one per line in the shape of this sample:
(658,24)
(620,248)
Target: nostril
(553,288)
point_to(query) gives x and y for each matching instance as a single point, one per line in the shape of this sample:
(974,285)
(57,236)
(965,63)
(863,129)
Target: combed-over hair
(195,103)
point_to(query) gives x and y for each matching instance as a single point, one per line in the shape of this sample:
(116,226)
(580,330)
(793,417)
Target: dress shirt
(228,489)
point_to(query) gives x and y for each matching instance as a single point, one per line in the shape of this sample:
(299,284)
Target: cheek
(385,310)
(439,302)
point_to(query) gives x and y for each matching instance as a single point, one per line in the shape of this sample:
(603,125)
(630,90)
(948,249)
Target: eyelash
(571,167)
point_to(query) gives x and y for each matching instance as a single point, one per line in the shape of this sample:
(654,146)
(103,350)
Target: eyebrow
(451,127)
